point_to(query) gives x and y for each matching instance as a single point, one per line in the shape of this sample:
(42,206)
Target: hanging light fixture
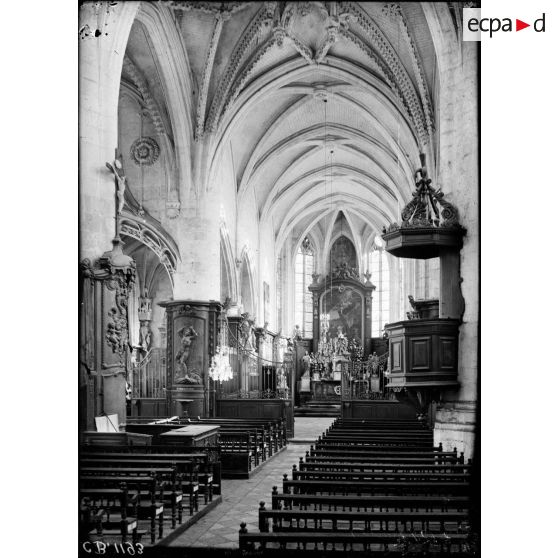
(220,369)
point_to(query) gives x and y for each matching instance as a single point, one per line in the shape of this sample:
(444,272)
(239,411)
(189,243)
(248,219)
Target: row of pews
(131,493)
(244,443)
(148,493)
(370,486)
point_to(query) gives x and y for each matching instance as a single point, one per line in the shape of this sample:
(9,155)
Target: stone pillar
(103,33)
(455,426)
(191,341)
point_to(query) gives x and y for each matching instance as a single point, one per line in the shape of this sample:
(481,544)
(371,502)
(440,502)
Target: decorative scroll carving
(427,208)
(343,271)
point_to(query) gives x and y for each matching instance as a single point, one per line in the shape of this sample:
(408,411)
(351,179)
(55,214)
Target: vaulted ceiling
(325,106)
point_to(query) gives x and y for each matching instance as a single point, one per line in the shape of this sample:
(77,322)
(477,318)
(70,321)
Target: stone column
(103,33)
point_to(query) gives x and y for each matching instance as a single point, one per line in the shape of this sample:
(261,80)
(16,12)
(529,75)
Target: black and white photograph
(279,279)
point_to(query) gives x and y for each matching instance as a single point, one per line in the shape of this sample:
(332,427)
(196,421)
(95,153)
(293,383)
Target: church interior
(279,278)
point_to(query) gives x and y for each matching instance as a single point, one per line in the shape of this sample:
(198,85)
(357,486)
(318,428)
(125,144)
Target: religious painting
(343,254)
(188,351)
(266,301)
(345,308)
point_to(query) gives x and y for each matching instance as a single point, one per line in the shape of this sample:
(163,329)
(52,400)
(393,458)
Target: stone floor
(241,498)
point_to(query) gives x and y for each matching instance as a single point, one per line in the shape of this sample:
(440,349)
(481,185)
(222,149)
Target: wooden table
(192,435)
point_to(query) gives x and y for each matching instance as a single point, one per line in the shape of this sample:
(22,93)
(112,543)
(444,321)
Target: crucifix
(120,187)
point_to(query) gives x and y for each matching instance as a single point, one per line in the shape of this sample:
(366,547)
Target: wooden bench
(207,459)
(380,503)
(184,473)
(278,427)
(373,466)
(96,505)
(379,476)
(454,488)
(145,488)
(362,520)
(429,542)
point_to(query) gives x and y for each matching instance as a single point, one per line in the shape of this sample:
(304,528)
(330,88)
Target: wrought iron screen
(367,379)
(255,377)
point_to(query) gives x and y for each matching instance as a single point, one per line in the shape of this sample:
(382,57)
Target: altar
(326,390)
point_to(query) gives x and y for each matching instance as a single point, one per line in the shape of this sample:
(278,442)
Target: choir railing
(367,380)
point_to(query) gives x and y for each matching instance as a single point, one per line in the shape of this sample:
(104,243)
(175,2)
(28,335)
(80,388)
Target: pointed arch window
(304,267)
(378,265)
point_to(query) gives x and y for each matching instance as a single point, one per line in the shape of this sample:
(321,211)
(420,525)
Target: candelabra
(220,369)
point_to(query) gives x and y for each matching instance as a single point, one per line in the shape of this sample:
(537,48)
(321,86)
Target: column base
(455,426)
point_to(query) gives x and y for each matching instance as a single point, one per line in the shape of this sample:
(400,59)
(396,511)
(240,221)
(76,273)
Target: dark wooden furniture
(115,439)
(423,353)
(194,435)
(370,486)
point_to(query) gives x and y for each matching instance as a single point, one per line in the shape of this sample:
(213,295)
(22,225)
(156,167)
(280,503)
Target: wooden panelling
(420,353)
(396,356)
(377,409)
(448,353)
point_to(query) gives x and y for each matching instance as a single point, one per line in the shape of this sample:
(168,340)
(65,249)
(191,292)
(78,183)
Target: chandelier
(220,369)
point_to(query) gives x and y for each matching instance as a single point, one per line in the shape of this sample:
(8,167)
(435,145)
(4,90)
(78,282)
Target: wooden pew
(146,487)
(454,488)
(372,466)
(207,459)
(380,503)
(430,542)
(96,505)
(363,521)
(186,476)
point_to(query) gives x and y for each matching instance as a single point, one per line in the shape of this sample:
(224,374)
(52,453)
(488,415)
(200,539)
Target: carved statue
(297,334)
(341,342)
(120,180)
(145,335)
(184,376)
(306,363)
(247,335)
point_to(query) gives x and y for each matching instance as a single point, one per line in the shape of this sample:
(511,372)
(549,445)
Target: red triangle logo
(519,25)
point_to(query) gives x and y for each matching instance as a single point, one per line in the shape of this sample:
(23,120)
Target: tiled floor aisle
(241,498)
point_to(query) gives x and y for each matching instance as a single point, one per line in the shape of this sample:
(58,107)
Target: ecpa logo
(474,25)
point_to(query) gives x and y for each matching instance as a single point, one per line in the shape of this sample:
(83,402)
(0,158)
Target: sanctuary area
(279,283)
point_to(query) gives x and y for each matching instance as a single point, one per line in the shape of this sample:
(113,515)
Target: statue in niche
(145,335)
(341,342)
(306,364)
(282,385)
(183,375)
